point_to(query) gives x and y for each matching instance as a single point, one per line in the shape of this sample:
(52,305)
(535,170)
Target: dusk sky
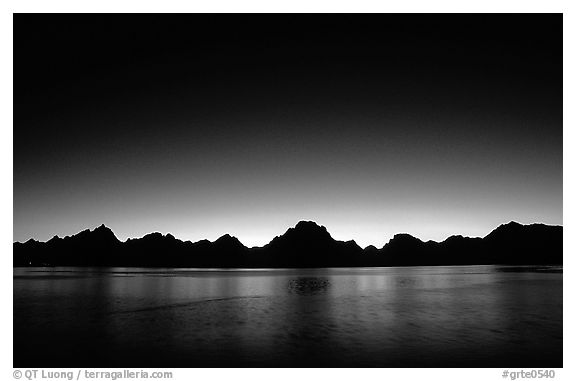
(371,125)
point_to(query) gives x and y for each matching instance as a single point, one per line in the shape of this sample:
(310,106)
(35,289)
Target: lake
(449,316)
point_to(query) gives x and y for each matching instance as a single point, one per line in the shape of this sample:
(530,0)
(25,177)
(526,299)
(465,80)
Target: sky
(201,125)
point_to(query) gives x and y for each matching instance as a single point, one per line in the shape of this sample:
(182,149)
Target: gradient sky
(201,125)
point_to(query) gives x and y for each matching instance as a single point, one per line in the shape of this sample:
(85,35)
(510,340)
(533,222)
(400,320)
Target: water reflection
(308,285)
(401,317)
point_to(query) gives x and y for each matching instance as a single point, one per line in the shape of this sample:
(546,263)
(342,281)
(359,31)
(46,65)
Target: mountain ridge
(307,244)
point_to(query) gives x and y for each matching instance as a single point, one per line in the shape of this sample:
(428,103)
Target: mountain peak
(310,227)
(307,224)
(511,224)
(55,238)
(228,241)
(403,240)
(405,237)
(301,235)
(102,228)
(308,230)
(105,232)
(227,238)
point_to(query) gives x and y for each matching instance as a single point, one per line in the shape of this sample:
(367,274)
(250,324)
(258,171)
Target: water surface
(455,316)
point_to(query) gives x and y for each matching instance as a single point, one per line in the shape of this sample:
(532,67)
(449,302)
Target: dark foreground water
(476,316)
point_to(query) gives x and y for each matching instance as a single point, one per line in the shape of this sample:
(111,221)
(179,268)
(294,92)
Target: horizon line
(287,229)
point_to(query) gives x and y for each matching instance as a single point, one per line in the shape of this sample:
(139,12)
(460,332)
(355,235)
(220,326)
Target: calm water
(475,316)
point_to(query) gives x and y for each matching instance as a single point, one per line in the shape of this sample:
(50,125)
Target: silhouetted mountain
(87,248)
(532,241)
(305,245)
(309,245)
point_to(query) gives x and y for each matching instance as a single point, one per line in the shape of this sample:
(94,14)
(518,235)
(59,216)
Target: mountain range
(305,245)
